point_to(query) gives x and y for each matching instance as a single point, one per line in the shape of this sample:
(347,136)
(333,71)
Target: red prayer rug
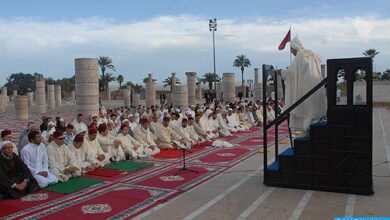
(104,172)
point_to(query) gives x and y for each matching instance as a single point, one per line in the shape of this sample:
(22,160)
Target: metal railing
(267,70)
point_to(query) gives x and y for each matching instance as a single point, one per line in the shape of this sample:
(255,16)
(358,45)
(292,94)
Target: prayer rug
(72,185)
(117,201)
(104,172)
(129,166)
(177,178)
(170,154)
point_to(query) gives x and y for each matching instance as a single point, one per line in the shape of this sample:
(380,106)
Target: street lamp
(250,82)
(213,28)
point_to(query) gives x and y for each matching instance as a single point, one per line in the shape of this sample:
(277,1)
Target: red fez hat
(58,134)
(166,119)
(124,126)
(184,120)
(79,138)
(102,127)
(92,130)
(70,126)
(143,120)
(93,124)
(5,132)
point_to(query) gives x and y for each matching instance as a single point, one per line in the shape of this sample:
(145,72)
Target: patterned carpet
(128,194)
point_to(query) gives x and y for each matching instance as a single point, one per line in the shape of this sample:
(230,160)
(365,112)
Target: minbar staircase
(337,154)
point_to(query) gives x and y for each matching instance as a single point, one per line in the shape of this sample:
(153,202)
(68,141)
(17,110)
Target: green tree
(135,86)
(242,62)
(105,63)
(210,78)
(119,79)
(21,82)
(168,82)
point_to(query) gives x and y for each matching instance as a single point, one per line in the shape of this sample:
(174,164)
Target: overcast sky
(161,37)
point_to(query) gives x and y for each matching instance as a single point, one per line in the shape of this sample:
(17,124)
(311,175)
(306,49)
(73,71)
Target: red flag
(286,39)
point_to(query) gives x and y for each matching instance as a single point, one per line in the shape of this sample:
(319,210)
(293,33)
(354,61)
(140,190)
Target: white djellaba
(302,76)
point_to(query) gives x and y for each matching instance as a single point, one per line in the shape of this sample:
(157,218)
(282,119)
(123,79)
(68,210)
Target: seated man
(200,128)
(131,147)
(168,138)
(62,162)
(93,147)
(233,121)
(214,123)
(111,145)
(243,120)
(16,179)
(191,129)
(145,137)
(85,161)
(35,157)
(79,124)
(68,134)
(223,123)
(6,135)
(184,132)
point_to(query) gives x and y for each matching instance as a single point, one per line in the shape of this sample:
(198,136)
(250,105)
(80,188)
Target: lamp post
(250,82)
(213,28)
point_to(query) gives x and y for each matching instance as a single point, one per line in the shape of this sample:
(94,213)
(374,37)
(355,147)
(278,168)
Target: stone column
(2,104)
(173,80)
(199,93)
(14,94)
(30,96)
(229,88)
(21,107)
(73,95)
(51,101)
(127,96)
(150,91)
(219,91)
(40,95)
(136,99)
(191,84)
(180,96)
(4,92)
(87,86)
(58,96)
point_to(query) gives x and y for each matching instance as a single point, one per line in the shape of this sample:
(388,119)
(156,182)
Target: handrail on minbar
(278,118)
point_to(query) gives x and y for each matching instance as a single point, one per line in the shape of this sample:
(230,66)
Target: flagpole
(290,46)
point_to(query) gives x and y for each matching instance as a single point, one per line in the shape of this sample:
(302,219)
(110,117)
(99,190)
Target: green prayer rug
(72,185)
(129,166)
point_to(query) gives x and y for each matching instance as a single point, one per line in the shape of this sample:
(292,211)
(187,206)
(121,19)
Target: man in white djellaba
(302,76)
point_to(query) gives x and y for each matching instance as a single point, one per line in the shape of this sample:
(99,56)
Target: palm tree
(242,62)
(105,63)
(168,82)
(210,78)
(119,79)
(137,88)
(370,53)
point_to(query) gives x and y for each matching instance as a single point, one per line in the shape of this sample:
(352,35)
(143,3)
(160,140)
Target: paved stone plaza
(239,193)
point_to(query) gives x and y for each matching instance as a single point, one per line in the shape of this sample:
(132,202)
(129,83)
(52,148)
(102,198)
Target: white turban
(5,143)
(51,124)
(296,44)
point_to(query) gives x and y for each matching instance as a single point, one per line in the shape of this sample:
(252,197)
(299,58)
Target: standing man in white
(302,76)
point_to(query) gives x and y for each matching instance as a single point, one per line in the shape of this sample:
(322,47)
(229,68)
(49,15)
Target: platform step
(274,166)
(288,152)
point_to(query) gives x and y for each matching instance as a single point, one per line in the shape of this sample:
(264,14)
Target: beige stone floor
(240,193)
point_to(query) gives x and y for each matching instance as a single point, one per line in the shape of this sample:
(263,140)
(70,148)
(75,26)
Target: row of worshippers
(61,152)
